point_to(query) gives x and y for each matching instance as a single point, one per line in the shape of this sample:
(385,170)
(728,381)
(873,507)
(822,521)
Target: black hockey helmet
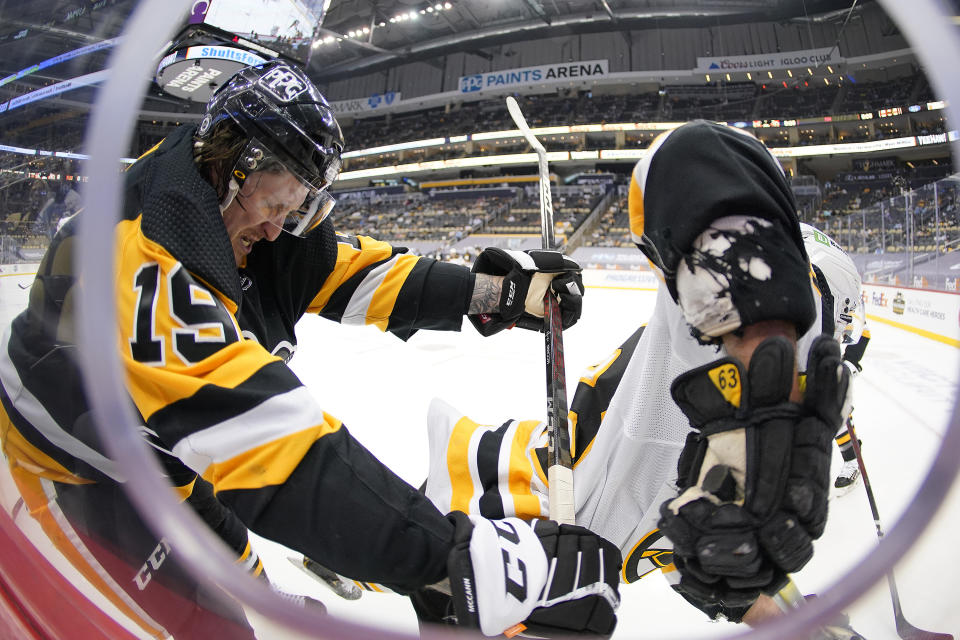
(287,122)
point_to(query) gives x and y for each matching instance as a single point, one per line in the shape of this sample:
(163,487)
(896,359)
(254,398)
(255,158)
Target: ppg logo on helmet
(282,83)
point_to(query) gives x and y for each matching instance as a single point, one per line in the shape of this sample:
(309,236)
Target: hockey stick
(559,461)
(904,629)
(790,597)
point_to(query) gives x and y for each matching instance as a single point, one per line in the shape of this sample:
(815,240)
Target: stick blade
(909,632)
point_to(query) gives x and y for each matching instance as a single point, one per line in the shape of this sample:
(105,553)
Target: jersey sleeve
(498,471)
(488,470)
(853,353)
(241,419)
(374,283)
(593,394)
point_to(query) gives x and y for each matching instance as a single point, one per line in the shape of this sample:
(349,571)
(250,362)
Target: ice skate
(848,477)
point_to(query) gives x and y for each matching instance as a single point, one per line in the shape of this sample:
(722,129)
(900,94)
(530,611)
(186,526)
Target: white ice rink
(381,387)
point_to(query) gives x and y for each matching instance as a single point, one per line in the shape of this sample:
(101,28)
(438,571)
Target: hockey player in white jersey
(844,316)
(710,382)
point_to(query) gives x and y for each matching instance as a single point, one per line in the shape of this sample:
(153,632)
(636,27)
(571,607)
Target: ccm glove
(554,579)
(755,474)
(526,277)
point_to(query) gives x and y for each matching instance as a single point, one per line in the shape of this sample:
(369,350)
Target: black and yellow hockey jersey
(204,347)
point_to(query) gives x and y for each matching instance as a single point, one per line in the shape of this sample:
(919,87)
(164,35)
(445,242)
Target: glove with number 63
(540,577)
(755,474)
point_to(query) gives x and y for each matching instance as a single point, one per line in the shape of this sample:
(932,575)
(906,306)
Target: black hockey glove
(755,475)
(526,276)
(553,579)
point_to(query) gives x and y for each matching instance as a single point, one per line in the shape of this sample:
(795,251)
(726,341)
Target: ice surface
(381,387)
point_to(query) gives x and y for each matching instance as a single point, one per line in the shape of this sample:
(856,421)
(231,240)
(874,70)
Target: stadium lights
(621,154)
(406,16)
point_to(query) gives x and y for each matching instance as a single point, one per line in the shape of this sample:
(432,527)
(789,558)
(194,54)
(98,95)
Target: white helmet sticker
(282,83)
(205,124)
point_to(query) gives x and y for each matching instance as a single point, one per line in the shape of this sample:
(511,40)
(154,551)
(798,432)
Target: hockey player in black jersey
(224,245)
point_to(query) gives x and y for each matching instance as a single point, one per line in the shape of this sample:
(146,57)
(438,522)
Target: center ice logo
(471,83)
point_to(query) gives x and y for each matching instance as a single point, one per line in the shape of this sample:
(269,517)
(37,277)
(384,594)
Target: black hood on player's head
(700,172)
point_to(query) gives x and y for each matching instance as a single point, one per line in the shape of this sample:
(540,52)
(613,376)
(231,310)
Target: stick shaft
(855,443)
(559,459)
(904,628)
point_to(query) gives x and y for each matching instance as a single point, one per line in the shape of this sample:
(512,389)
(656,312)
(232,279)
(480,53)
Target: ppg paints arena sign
(195,73)
(544,74)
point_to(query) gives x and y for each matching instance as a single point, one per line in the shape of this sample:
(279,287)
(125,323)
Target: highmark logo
(377,99)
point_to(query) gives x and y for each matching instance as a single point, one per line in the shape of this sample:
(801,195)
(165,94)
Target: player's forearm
(486,294)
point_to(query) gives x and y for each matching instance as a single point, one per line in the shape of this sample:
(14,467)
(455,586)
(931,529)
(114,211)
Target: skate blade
(839,492)
(328,578)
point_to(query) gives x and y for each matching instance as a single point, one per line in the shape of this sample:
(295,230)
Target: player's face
(260,208)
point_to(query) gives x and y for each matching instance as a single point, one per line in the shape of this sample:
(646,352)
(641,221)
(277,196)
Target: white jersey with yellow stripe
(624,468)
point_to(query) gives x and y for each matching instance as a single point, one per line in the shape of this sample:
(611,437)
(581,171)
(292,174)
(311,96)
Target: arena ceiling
(32,31)
(469,25)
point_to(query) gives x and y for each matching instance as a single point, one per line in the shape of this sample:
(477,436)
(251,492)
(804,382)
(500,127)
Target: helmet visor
(314,210)
(302,217)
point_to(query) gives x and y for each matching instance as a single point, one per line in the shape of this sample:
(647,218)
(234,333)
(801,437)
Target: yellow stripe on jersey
(350,260)
(231,454)
(573,451)
(269,464)
(21,454)
(250,561)
(594,372)
(638,179)
(150,150)
(635,209)
(185,491)
(572,417)
(385,297)
(813,281)
(458,464)
(843,439)
(525,504)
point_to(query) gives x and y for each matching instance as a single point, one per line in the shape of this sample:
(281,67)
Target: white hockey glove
(526,277)
(554,579)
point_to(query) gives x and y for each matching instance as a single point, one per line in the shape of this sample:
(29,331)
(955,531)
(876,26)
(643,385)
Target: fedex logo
(282,83)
